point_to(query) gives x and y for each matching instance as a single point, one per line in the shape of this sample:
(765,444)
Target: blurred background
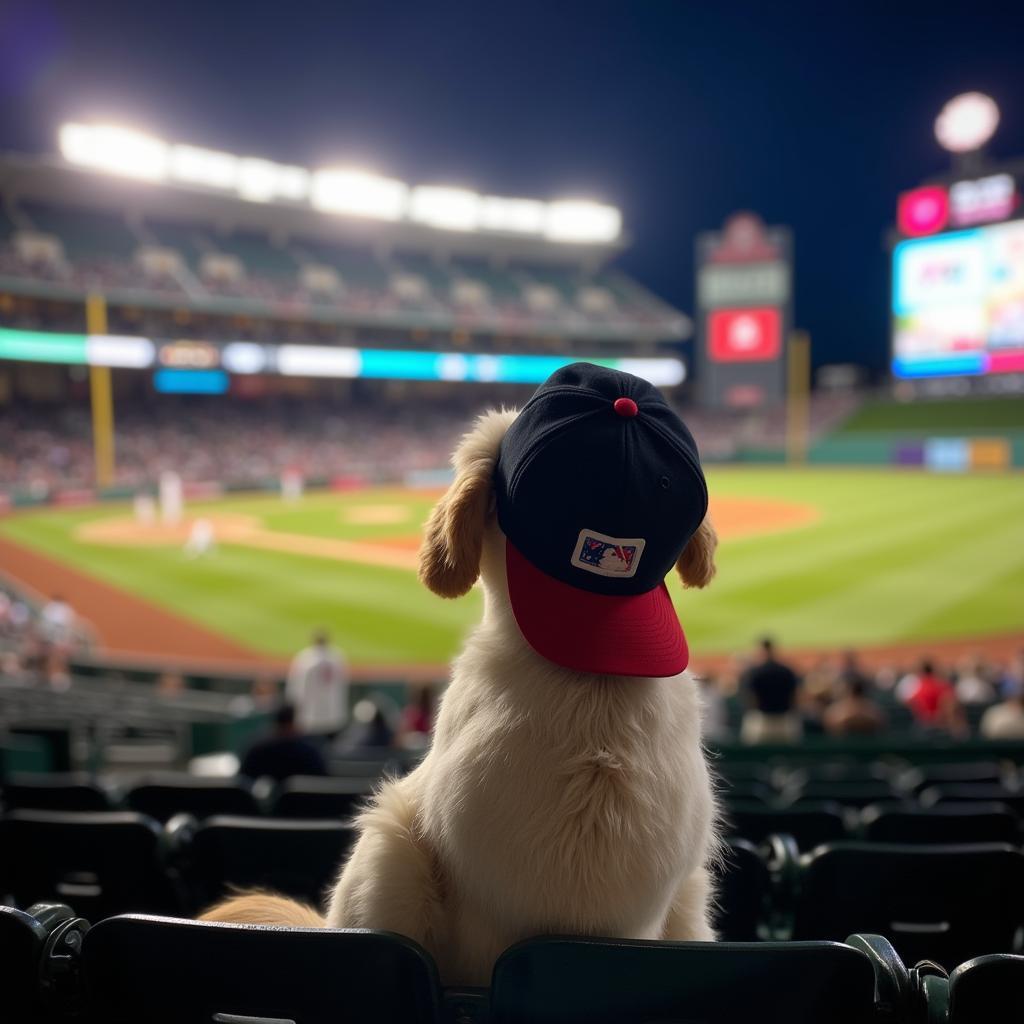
(260,267)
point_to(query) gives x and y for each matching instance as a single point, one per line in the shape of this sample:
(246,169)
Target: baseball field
(819,558)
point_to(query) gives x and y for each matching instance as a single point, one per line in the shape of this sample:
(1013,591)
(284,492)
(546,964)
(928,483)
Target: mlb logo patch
(607,556)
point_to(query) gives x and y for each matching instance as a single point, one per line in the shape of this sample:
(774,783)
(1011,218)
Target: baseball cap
(598,488)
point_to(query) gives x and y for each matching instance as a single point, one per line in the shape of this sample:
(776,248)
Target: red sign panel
(923,211)
(745,335)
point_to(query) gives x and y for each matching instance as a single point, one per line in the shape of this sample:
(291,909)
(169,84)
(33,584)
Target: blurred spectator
(417,720)
(714,715)
(973,685)
(855,713)
(931,698)
(284,753)
(1005,721)
(171,684)
(57,621)
(771,689)
(850,673)
(370,731)
(318,687)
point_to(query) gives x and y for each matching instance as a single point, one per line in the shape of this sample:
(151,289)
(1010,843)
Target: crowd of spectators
(239,443)
(840,697)
(233,443)
(37,641)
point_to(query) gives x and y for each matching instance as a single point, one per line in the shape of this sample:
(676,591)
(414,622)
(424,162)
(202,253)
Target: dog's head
(458,528)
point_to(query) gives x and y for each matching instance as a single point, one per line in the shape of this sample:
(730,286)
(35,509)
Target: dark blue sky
(814,115)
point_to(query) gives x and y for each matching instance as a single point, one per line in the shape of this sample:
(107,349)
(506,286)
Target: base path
(122,622)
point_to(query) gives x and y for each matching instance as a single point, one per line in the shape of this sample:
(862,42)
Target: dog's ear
(454,535)
(696,564)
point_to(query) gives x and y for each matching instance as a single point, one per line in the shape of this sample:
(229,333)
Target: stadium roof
(49,179)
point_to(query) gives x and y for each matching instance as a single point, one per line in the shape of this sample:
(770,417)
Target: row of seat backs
(860,794)
(900,775)
(113,862)
(826,822)
(945,903)
(117,862)
(167,971)
(162,798)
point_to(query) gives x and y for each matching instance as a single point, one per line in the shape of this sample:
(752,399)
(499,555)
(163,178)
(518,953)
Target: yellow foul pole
(798,394)
(101,397)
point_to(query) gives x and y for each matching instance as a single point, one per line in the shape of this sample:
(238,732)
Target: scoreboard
(958,280)
(744,312)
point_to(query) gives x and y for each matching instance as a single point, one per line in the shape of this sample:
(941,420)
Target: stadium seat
(746,791)
(944,823)
(363,768)
(987,990)
(165,971)
(923,776)
(840,771)
(742,893)
(298,858)
(810,825)
(607,981)
(38,961)
(107,862)
(74,791)
(312,797)
(163,796)
(958,792)
(941,903)
(857,793)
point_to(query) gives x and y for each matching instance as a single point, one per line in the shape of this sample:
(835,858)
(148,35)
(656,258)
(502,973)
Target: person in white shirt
(1005,721)
(318,687)
(57,621)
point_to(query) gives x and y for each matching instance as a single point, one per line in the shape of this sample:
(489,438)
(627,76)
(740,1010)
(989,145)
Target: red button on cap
(625,407)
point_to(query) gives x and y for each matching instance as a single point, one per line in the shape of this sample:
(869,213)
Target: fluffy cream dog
(551,800)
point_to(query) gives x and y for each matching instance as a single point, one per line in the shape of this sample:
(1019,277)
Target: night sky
(814,115)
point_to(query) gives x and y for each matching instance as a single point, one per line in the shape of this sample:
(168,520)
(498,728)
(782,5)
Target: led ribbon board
(181,362)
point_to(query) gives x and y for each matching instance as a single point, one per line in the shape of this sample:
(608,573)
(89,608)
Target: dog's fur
(550,800)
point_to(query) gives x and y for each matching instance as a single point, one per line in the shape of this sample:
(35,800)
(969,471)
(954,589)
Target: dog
(552,799)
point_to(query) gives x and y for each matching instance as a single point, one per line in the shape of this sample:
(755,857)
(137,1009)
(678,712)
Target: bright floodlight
(116,150)
(576,220)
(499,214)
(260,180)
(204,166)
(967,122)
(454,209)
(359,193)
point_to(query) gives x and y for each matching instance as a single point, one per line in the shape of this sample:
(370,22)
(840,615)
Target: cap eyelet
(665,483)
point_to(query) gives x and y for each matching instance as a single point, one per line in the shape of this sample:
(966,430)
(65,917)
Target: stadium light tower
(966,123)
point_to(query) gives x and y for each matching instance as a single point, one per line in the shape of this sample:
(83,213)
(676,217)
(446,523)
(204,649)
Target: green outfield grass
(894,556)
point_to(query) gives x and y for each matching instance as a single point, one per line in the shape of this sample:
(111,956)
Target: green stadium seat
(87,235)
(102,863)
(973,791)
(616,981)
(810,825)
(312,797)
(945,903)
(853,793)
(920,778)
(165,971)
(39,951)
(75,791)
(163,796)
(944,823)
(743,887)
(298,858)
(987,990)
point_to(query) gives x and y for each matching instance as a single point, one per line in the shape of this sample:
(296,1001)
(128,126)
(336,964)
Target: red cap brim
(634,635)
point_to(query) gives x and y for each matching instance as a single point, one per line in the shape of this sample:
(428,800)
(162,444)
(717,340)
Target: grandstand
(249,338)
